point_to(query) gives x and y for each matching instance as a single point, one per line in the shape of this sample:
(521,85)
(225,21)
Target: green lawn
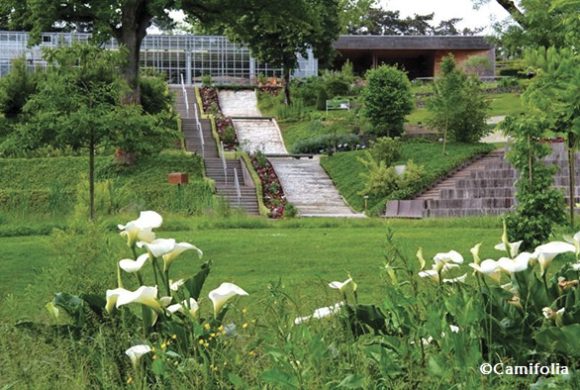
(346,170)
(305,254)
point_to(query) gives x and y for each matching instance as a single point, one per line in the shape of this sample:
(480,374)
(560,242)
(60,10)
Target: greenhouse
(190,56)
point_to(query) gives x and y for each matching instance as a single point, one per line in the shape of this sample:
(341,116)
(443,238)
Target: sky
(447,9)
(444,10)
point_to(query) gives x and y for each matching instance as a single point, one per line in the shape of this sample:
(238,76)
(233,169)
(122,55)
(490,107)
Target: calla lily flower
(158,247)
(454,328)
(144,295)
(223,293)
(459,279)
(112,296)
(488,267)
(448,257)
(190,306)
(575,240)
(136,352)
(165,301)
(576,267)
(141,228)
(176,251)
(547,252)
(512,248)
(520,263)
(320,313)
(132,266)
(342,286)
(421,259)
(475,253)
(174,286)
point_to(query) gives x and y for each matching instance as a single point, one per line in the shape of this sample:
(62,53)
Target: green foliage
(387,99)
(326,143)
(387,150)
(53,185)
(345,169)
(540,206)
(382,180)
(457,106)
(155,95)
(293,112)
(16,88)
(478,65)
(207,81)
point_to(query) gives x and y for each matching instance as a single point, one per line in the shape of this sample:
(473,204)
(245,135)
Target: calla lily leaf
(195,284)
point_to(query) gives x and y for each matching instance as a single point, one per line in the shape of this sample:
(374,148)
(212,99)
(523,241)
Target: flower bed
(274,198)
(224,125)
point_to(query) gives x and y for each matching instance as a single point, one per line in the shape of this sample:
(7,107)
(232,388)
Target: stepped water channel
(306,185)
(242,196)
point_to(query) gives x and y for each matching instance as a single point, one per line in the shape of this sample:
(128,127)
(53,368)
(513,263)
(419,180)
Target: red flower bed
(273,194)
(224,125)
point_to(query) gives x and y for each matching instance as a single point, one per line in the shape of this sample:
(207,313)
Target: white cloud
(447,9)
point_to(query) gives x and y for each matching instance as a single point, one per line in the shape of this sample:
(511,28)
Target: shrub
(16,88)
(387,99)
(155,96)
(326,142)
(386,149)
(206,81)
(293,112)
(458,105)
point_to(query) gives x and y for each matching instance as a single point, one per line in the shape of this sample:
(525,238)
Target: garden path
(306,185)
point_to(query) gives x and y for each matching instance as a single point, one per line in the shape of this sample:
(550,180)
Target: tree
(16,88)
(276,37)
(387,99)
(555,95)
(125,20)
(78,105)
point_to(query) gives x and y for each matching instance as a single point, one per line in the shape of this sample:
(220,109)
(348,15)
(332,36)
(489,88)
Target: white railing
(224,163)
(197,121)
(237,183)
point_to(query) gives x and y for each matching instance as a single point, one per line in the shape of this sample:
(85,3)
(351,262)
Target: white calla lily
(158,247)
(454,328)
(176,251)
(488,267)
(547,252)
(574,240)
(141,228)
(520,263)
(174,286)
(222,294)
(132,266)
(576,267)
(328,311)
(301,320)
(190,305)
(475,253)
(144,295)
(459,279)
(512,248)
(448,257)
(165,301)
(342,286)
(112,296)
(136,352)
(430,273)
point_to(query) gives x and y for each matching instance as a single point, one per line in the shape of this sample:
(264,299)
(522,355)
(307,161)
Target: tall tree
(278,37)
(125,20)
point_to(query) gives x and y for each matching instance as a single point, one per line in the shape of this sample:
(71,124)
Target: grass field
(345,169)
(306,254)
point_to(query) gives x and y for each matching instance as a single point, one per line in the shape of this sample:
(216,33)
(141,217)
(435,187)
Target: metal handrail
(237,184)
(185,96)
(224,163)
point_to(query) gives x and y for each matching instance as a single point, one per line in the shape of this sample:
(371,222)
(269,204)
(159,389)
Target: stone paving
(306,185)
(239,104)
(259,135)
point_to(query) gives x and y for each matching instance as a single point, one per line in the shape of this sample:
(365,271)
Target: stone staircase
(224,180)
(306,185)
(487,186)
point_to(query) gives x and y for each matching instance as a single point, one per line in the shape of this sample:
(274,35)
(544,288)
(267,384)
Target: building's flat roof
(397,42)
